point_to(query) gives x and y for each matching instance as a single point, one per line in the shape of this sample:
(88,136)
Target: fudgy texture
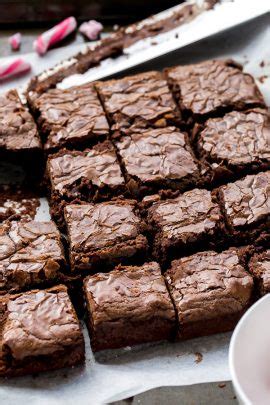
(39,331)
(212,87)
(259,267)
(128,306)
(102,235)
(156,159)
(19,138)
(17,202)
(246,207)
(139,101)
(91,175)
(237,143)
(210,292)
(31,255)
(69,118)
(192,220)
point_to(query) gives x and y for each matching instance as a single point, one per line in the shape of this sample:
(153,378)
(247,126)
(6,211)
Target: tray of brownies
(135,215)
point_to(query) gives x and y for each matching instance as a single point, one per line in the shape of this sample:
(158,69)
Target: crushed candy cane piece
(13,68)
(15,41)
(54,35)
(91,29)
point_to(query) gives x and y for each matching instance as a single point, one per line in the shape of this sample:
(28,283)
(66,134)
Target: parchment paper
(118,374)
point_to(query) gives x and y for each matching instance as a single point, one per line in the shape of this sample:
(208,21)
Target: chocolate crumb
(222,385)
(262,64)
(262,78)
(198,357)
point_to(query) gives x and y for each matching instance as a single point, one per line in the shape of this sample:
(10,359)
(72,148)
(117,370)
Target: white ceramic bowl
(249,355)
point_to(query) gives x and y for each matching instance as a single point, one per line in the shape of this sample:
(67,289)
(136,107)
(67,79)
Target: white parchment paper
(118,374)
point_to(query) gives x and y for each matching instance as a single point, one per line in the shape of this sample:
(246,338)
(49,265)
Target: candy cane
(54,35)
(15,41)
(10,69)
(91,29)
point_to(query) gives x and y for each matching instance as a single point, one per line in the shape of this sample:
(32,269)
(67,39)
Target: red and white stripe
(15,41)
(14,68)
(54,35)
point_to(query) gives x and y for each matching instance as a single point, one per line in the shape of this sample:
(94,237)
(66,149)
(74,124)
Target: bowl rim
(237,385)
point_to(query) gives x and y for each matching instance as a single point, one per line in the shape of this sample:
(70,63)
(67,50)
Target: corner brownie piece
(212,87)
(31,255)
(91,175)
(237,143)
(19,138)
(39,331)
(102,235)
(142,100)
(259,267)
(128,306)
(154,159)
(246,207)
(192,220)
(210,292)
(69,118)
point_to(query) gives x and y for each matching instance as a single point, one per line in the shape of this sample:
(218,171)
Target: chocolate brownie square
(72,118)
(212,87)
(210,292)
(246,207)
(191,221)
(17,203)
(142,101)
(31,255)
(102,235)
(128,306)
(19,138)
(39,331)
(155,159)
(235,144)
(259,267)
(91,175)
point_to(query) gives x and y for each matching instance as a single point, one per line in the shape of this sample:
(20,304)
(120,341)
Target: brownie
(235,144)
(91,56)
(246,207)
(31,255)
(102,235)
(191,221)
(39,331)
(71,118)
(212,87)
(17,203)
(210,292)
(128,306)
(91,175)
(140,101)
(154,159)
(19,138)
(259,267)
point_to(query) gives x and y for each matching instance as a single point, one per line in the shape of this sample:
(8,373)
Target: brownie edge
(128,306)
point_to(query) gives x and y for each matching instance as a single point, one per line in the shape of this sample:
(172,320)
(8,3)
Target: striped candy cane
(13,68)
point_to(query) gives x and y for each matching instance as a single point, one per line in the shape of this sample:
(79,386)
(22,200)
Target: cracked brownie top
(246,201)
(141,100)
(209,285)
(18,130)
(40,322)
(30,253)
(239,138)
(70,116)
(212,86)
(132,293)
(157,155)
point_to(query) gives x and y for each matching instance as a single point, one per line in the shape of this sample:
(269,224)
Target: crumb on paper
(198,357)
(222,385)
(262,78)
(262,64)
